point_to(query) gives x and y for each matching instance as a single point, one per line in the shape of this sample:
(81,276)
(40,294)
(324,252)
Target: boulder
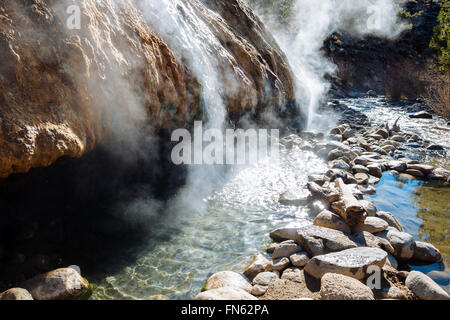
(351,262)
(264,278)
(360,169)
(426,252)
(258,265)
(328,219)
(375,170)
(299,259)
(284,234)
(415,173)
(403,243)
(424,287)
(369,206)
(286,249)
(398,166)
(16,294)
(366,239)
(425,169)
(391,261)
(225,293)
(318,240)
(362,178)
(390,219)
(339,287)
(421,115)
(227,279)
(278,265)
(372,225)
(59,284)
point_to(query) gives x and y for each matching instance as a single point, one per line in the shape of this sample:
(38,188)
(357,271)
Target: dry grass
(437,92)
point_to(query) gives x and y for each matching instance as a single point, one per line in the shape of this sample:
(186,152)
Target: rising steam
(310,23)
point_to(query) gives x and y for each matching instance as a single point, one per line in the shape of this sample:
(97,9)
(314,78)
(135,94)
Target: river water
(233,225)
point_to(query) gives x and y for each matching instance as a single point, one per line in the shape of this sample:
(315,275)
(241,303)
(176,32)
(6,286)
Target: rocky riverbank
(352,251)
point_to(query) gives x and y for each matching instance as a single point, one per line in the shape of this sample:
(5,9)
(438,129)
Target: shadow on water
(76,212)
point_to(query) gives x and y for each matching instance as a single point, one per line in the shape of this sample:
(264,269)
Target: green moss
(441,38)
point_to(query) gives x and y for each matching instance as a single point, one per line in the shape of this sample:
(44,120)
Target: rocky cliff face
(62,91)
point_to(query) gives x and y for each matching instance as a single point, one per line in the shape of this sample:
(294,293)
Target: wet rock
(328,219)
(59,284)
(403,243)
(278,265)
(335,131)
(16,294)
(227,279)
(398,138)
(436,147)
(318,240)
(390,219)
(285,250)
(372,225)
(351,262)
(383,132)
(375,170)
(334,154)
(225,293)
(415,173)
(158,297)
(348,133)
(294,198)
(425,169)
(339,164)
(284,234)
(319,179)
(339,287)
(421,115)
(360,169)
(362,178)
(258,265)
(424,287)
(299,259)
(398,166)
(426,252)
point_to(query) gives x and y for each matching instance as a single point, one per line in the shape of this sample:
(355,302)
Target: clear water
(234,223)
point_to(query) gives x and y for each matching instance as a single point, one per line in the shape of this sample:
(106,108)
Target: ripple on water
(233,226)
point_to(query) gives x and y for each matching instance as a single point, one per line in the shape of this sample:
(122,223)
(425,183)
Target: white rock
(351,262)
(424,287)
(227,279)
(340,287)
(225,293)
(59,284)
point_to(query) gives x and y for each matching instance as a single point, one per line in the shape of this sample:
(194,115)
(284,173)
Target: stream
(187,247)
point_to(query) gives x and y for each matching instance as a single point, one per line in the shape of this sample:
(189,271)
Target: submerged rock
(351,262)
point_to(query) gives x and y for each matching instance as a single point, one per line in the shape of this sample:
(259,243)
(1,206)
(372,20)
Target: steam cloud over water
(310,23)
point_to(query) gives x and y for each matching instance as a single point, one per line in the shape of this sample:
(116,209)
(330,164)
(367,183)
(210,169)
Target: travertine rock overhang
(62,91)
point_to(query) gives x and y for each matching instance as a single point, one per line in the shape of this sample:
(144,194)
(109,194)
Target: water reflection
(423,209)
